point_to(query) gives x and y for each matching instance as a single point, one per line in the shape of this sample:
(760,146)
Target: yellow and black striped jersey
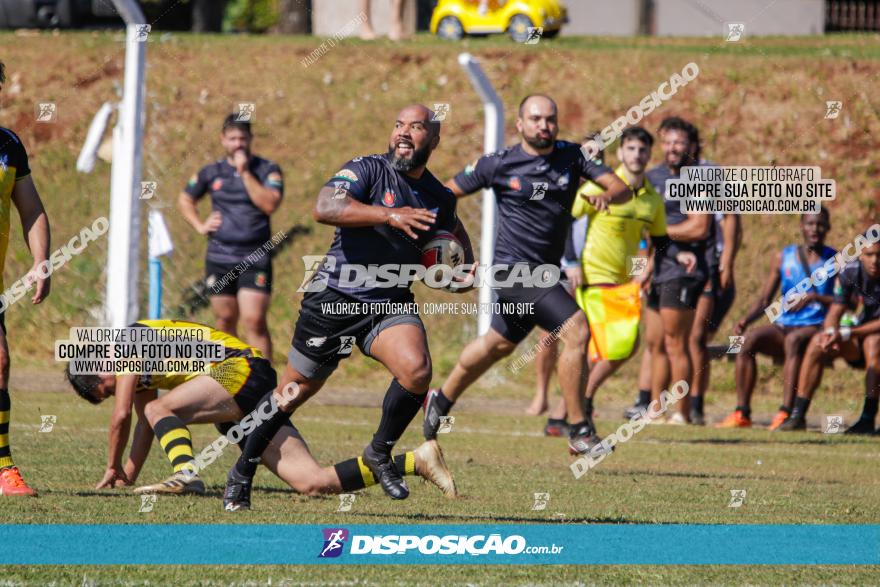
(13,167)
(230,372)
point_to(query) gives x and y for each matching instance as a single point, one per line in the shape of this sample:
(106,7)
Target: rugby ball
(443,250)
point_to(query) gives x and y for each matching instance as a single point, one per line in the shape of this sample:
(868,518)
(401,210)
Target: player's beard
(419,158)
(537,142)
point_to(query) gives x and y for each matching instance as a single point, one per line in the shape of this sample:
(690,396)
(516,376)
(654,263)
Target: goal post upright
(493,140)
(121,301)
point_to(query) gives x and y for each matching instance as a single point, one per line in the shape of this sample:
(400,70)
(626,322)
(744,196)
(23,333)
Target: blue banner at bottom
(541,544)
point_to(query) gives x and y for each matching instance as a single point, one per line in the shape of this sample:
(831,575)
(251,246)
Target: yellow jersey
(613,235)
(231,373)
(13,167)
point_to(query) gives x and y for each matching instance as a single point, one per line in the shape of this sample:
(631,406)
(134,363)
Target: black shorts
(225,279)
(861,362)
(261,380)
(331,323)
(681,294)
(550,307)
(723,303)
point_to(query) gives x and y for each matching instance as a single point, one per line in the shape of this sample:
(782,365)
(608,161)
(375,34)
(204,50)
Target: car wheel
(518,28)
(450,28)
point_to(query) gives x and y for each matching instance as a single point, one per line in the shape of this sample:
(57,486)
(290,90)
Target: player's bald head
(542,102)
(420,113)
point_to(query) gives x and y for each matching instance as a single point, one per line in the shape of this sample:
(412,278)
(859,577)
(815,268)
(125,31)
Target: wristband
(845,333)
(831,331)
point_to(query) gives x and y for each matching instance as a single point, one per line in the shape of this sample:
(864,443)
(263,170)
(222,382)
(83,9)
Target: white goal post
(121,300)
(493,140)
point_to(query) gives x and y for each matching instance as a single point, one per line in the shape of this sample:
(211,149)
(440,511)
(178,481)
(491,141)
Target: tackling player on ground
(535,183)
(232,390)
(17,187)
(386,208)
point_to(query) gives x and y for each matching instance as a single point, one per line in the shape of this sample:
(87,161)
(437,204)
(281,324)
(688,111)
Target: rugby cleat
(635,410)
(432,415)
(793,423)
(677,419)
(862,426)
(237,495)
(735,420)
(385,473)
(778,419)
(179,483)
(11,483)
(431,466)
(585,441)
(556,428)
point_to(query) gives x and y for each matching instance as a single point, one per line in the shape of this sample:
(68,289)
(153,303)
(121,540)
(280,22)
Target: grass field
(757,102)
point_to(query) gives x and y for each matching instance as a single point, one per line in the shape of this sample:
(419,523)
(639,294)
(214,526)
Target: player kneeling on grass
(787,337)
(230,393)
(858,345)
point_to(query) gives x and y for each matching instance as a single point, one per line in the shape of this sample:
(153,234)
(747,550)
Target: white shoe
(677,419)
(178,484)
(431,466)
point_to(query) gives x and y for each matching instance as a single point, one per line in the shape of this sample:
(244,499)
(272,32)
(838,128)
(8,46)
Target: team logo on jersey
(515,184)
(218,183)
(539,190)
(542,167)
(346,174)
(389,198)
(562,182)
(334,540)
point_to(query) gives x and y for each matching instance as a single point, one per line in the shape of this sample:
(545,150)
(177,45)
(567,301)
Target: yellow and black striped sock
(5,408)
(175,439)
(354,474)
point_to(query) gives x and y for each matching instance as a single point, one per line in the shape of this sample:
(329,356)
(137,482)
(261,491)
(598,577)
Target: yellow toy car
(452,19)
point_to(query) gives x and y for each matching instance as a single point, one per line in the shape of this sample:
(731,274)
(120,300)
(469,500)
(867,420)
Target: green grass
(663,475)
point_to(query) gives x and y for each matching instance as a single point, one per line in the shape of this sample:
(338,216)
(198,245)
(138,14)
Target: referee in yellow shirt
(609,295)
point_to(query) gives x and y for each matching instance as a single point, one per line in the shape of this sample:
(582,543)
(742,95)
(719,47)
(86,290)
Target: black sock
(697,404)
(644,397)
(258,440)
(588,406)
(5,409)
(353,474)
(785,409)
(801,405)
(869,411)
(444,404)
(399,408)
(746,411)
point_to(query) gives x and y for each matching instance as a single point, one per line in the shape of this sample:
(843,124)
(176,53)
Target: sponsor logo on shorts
(260,279)
(316,342)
